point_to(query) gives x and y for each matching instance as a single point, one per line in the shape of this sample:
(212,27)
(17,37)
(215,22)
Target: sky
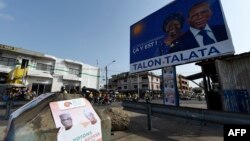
(97,32)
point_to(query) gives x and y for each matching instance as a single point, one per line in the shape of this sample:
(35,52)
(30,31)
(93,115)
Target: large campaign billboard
(181,32)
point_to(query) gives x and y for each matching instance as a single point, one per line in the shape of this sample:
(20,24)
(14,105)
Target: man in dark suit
(200,33)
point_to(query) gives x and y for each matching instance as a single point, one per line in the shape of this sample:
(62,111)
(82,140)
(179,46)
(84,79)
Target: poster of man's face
(66,120)
(76,119)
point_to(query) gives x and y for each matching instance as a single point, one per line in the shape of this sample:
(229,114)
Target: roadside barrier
(204,115)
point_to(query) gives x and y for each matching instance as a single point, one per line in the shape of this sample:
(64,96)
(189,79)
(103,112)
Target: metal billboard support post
(138,87)
(149,115)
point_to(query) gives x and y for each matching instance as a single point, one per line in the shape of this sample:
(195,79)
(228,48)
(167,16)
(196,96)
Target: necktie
(206,39)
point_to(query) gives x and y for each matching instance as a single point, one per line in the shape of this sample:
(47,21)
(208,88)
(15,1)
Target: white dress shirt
(199,38)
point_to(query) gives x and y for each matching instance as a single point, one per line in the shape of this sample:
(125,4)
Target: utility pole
(106,69)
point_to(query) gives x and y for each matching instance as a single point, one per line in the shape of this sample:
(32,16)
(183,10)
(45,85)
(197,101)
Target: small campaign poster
(77,120)
(169,82)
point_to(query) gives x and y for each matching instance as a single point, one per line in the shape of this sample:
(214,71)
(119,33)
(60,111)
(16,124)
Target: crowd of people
(106,97)
(18,93)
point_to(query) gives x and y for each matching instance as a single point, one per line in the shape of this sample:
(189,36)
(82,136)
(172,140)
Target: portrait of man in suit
(66,120)
(200,33)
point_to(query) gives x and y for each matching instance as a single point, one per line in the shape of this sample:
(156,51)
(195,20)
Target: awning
(194,76)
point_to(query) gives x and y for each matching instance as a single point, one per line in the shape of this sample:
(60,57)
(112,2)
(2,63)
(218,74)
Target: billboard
(181,32)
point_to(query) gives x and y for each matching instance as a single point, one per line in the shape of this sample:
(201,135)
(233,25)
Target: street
(193,103)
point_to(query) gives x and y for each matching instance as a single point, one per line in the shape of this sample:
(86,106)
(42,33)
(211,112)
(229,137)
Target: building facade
(142,82)
(47,73)
(183,85)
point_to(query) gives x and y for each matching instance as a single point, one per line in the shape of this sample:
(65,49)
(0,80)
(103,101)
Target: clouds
(4,16)
(2,4)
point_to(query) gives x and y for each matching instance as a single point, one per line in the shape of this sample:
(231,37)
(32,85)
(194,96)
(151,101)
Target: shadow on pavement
(169,128)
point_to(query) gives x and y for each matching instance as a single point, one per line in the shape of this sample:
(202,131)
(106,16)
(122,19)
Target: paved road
(168,128)
(185,103)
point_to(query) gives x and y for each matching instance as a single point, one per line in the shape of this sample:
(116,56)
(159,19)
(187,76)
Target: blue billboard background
(147,35)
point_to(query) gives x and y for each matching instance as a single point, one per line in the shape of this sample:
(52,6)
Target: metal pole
(138,87)
(149,115)
(106,69)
